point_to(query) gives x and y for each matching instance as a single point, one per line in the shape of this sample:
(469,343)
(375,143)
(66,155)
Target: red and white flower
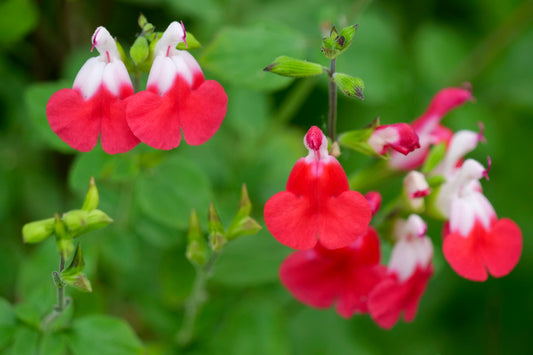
(428,128)
(94,106)
(317,204)
(321,277)
(475,240)
(416,188)
(399,137)
(409,271)
(177,98)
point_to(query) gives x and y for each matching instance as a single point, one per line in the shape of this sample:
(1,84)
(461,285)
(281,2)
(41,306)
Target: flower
(320,277)
(409,271)
(317,204)
(475,240)
(428,128)
(177,98)
(399,136)
(95,105)
(416,188)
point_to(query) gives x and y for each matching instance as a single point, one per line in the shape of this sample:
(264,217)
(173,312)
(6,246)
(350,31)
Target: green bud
(345,38)
(145,26)
(352,87)
(330,48)
(91,199)
(78,281)
(436,154)
(358,140)
(35,232)
(192,42)
(244,226)
(139,51)
(65,247)
(197,246)
(217,238)
(291,67)
(80,222)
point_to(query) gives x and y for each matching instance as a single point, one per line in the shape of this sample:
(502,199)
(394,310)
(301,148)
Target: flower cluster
(339,260)
(102,101)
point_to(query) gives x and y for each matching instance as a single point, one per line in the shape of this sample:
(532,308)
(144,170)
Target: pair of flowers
(102,101)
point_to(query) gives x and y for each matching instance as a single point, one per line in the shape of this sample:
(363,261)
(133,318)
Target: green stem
(195,300)
(332,113)
(62,301)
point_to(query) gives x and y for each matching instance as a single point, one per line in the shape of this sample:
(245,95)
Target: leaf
(7,323)
(243,265)
(17,19)
(103,335)
(53,344)
(36,97)
(168,192)
(25,341)
(238,55)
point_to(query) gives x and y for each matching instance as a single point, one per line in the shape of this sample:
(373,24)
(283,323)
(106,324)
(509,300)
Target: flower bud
(296,68)
(416,188)
(73,275)
(350,86)
(92,198)
(139,51)
(244,226)
(35,232)
(197,246)
(217,236)
(345,38)
(79,222)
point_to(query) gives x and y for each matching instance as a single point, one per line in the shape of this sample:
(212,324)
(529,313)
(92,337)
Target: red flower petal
(74,120)
(390,297)
(203,112)
(497,250)
(116,135)
(319,277)
(503,246)
(154,119)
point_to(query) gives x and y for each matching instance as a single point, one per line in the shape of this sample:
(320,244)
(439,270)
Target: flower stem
(62,301)
(195,300)
(332,113)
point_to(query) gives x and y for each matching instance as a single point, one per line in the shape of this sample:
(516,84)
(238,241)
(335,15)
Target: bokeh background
(404,51)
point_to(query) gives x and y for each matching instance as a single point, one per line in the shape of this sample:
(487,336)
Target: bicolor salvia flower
(428,128)
(476,242)
(177,98)
(321,277)
(317,205)
(399,136)
(408,273)
(95,105)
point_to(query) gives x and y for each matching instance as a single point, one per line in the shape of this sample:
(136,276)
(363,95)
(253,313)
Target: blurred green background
(404,51)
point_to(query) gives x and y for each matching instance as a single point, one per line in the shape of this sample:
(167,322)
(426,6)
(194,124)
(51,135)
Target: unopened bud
(345,38)
(35,232)
(352,87)
(196,248)
(244,226)
(296,68)
(91,198)
(80,222)
(416,188)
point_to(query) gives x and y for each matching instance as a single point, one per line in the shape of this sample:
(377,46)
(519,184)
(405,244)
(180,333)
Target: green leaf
(28,314)
(53,344)
(242,264)
(7,323)
(35,98)
(168,192)
(94,163)
(296,68)
(17,19)
(238,54)
(261,320)
(103,335)
(25,341)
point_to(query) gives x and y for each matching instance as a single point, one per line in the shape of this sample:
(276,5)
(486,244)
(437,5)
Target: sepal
(140,50)
(435,156)
(287,66)
(350,86)
(197,246)
(35,232)
(91,198)
(337,43)
(79,222)
(242,223)
(73,274)
(217,235)
(358,140)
